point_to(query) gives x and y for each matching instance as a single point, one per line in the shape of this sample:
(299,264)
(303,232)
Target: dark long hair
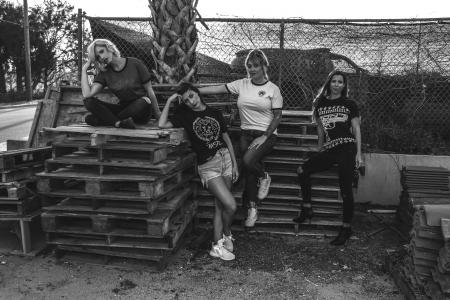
(325,90)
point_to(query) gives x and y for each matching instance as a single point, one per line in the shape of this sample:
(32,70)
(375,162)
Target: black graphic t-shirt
(336,116)
(204,128)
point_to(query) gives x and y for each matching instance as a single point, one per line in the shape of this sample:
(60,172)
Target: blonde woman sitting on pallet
(128,79)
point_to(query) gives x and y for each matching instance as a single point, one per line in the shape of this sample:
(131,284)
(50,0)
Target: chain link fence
(398,69)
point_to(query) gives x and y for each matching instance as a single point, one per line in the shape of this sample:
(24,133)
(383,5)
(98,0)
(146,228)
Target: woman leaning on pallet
(338,123)
(128,79)
(217,165)
(260,106)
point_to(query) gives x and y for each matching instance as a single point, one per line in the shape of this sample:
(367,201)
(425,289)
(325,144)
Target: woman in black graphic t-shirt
(217,165)
(339,133)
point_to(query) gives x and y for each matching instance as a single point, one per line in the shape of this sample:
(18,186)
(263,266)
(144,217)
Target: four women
(260,107)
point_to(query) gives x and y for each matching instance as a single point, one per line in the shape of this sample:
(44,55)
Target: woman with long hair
(260,106)
(217,165)
(338,123)
(127,78)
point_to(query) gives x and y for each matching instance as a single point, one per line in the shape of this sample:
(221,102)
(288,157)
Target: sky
(306,9)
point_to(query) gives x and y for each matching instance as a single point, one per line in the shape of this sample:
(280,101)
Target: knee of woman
(88,102)
(231,208)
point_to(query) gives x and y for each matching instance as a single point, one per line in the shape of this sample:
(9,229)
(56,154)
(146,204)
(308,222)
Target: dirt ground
(266,267)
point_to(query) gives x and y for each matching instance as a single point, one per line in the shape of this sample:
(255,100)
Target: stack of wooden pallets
(297,139)
(18,200)
(427,265)
(117,192)
(421,186)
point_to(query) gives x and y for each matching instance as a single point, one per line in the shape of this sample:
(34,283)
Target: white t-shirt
(255,103)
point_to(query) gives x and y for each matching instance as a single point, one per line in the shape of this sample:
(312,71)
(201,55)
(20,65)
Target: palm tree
(174,39)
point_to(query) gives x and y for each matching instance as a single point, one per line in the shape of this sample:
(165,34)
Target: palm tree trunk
(174,39)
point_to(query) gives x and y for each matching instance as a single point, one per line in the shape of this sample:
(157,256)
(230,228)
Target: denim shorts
(218,165)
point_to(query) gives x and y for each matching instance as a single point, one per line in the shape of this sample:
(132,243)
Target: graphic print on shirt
(207,129)
(331,117)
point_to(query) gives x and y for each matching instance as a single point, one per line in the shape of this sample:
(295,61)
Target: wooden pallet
(17,190)
(125,238)
(25,236)
(21,173)
(20,207)
(118,186)
(150,152)
(154,225)
(103,135)
(10,160)
(84,159)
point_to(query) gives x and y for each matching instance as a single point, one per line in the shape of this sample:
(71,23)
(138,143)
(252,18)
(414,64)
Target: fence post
(80,43)
(26,31)
(280,80)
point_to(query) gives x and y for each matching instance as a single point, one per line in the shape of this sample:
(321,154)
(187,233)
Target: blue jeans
(252,165)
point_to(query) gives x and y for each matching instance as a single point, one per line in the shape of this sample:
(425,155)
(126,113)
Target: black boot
(128,123)
(344,234)
(305,213)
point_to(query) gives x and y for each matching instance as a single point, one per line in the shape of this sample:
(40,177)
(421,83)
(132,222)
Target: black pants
(252,165)
(107,114)
(344,156)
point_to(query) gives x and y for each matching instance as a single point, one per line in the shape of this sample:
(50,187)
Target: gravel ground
(266,267)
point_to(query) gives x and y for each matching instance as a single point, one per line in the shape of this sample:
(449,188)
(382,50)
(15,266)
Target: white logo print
(329,121)
(207,129)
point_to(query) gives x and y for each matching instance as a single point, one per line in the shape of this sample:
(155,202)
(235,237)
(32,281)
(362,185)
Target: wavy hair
(102,43)
(257,55)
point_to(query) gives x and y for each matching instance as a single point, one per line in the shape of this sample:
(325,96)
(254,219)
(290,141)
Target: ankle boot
(344,234)
(305,213)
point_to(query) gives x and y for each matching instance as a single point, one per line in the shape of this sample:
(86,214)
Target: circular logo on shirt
(207,129)
(261,93)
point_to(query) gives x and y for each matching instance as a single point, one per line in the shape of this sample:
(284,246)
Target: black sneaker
(128,123)
(344,234)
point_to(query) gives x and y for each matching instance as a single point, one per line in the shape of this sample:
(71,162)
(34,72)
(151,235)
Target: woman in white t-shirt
(260,104)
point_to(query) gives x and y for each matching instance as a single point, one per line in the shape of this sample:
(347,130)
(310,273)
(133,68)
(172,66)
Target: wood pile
(18,201)
(427,265)
(117,192)
(421,186)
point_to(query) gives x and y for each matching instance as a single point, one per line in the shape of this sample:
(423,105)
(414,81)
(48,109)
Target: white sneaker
(228,242)
(219,251)
(251,217)
(264,185)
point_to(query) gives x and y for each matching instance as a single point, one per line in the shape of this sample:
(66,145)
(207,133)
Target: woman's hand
(173,97)
(235,173)
(358,160)
(258,142)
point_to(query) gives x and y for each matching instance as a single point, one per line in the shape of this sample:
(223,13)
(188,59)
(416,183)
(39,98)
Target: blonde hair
(257,55)
(102,43)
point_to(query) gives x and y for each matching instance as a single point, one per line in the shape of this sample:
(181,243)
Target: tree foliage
(53,42)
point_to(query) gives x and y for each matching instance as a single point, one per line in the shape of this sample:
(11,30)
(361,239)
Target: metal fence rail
(399,69)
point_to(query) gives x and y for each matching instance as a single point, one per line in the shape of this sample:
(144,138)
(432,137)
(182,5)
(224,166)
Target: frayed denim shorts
(218,165)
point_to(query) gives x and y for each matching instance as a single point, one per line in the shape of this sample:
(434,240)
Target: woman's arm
(227,140)
(356,128)
(320,133)
(154,101)
(86,89)
(163,121)
(277,114)
(214,89)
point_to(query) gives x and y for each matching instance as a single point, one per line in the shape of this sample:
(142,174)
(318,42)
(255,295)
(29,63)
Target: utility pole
(26,31)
